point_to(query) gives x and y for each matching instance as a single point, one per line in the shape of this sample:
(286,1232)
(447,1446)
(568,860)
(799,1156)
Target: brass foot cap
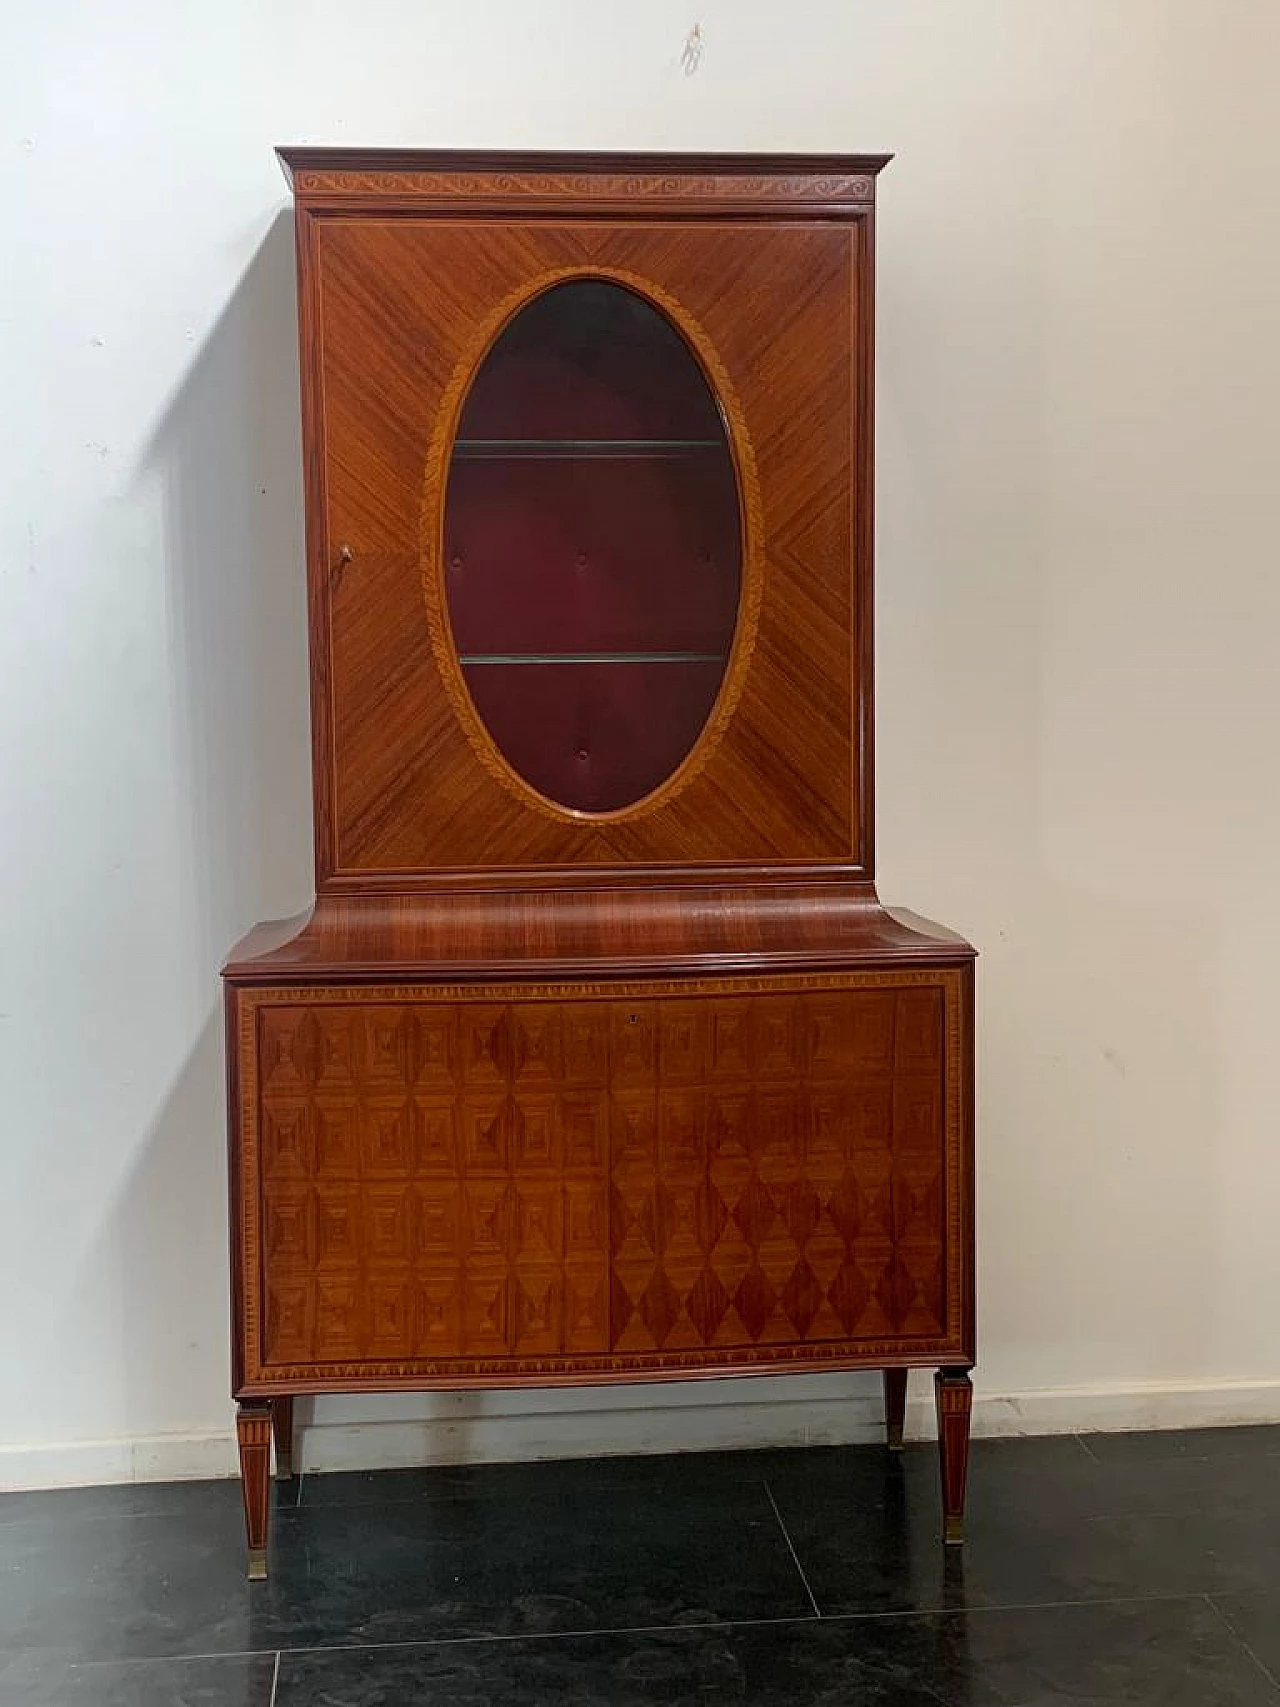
(895,1441)
(257,1564)
(953,1531)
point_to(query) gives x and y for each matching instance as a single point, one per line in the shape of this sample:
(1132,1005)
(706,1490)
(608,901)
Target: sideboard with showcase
(597,1058)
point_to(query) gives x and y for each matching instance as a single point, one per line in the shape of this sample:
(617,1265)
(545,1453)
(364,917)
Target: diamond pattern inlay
(755,1213)
(755,1300)
(659,1306)
(707,1304)
(429,1174)
(802,1211)
(709,1215)
(468,1179)
(850,1296)
(802,1298)
(797,1180)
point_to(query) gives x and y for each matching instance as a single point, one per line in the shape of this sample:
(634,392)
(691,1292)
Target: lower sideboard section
(492,1185)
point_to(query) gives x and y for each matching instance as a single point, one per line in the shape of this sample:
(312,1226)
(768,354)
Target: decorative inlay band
(578,990)
(591,186)
(575,1367)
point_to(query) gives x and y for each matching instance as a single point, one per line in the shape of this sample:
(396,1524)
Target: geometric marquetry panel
(539,1179)
(432,1181)
(791,1189)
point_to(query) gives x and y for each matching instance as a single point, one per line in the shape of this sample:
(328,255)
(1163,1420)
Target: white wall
(1079,408)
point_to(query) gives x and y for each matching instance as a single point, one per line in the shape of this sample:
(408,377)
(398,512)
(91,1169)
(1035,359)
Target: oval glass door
(592,546)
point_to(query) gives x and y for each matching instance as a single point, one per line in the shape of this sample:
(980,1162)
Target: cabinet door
(584,588)
(802,1190)
(427,1181)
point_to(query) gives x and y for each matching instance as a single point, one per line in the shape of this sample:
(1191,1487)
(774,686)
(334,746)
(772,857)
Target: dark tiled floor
(1099,1569)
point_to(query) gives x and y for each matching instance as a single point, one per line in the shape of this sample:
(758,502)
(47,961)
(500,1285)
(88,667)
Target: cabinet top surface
(297,159)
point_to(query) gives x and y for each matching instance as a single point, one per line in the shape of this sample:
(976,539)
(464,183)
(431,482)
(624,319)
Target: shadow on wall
(226,455)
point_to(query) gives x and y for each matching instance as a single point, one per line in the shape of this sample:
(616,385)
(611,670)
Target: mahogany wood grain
(466,932)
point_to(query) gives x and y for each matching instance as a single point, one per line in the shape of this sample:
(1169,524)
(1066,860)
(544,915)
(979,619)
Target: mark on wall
(691,57)
(1116,1061)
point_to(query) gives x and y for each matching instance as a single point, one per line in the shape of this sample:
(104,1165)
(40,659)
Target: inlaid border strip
(454,187)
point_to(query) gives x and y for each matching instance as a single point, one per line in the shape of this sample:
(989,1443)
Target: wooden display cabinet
(597,1058)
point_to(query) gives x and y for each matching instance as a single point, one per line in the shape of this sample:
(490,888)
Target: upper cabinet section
(588,462)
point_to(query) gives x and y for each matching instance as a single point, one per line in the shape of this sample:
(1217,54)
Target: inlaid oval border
(431,554)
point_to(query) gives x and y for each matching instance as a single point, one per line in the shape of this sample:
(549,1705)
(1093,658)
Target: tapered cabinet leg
(895,1406)
(253,1430)
(282,1430)
(953,1391)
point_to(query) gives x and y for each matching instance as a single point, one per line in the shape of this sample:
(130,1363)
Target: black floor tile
(1024,1452)
(1054,1476)
(1256,1620)
(870,1544)
(231,1681)
(1169,1486)
(661,1472)
(1177,1653)
(1085,1579)
(125,1586)
(1048,1473)
(1255,1441)
(1056,1462)
(479,1564)
(193,1500)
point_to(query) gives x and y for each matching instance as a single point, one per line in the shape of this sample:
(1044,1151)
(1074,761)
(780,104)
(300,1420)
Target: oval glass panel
(593,546)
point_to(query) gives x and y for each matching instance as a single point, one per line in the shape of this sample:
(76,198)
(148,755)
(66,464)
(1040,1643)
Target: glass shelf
(477,450)
(592,657)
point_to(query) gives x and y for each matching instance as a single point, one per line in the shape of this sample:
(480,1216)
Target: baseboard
(90,1463)
(453,1428)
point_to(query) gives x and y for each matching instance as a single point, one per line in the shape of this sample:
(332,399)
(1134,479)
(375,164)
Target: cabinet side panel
(314,465)
(235,1183)
(963,1258)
